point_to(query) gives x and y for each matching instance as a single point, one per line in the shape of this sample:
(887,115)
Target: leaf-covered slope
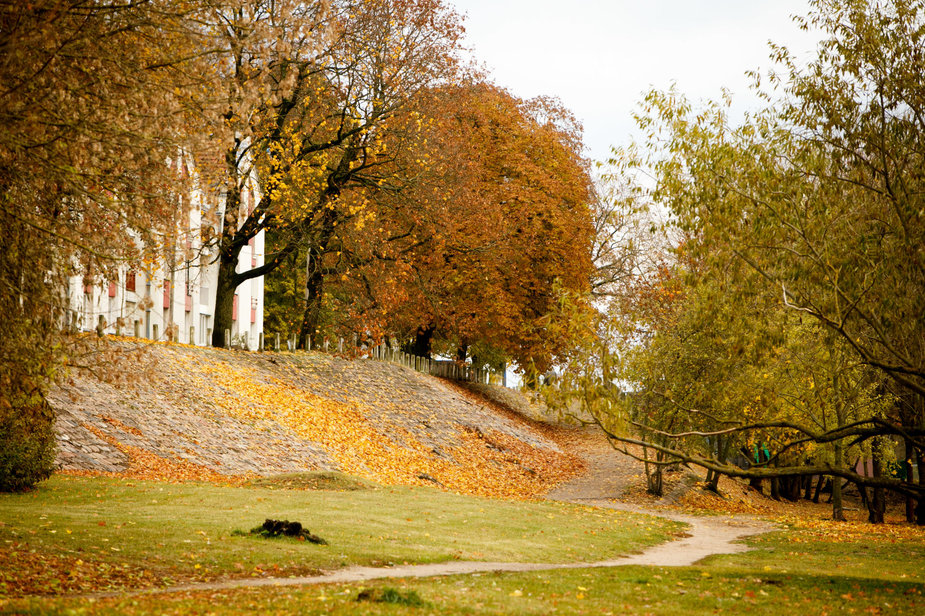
(216,415)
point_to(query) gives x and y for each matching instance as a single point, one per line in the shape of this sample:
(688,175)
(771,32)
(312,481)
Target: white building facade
(174,300)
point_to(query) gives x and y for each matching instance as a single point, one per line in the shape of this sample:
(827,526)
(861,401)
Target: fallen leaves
(369,419)
(146,465)
(814,529)
(496,465)
(27,571)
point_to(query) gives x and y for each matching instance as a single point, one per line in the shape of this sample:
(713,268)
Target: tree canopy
(786,326)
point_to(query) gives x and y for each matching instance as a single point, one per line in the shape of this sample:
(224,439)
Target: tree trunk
(422,341)
(877,507)
(722,454)
(920,508)
(314,279)
(838,507)
(713,481)
(654,484)
(907,470)
(224,298)
(818,491)
(314,301)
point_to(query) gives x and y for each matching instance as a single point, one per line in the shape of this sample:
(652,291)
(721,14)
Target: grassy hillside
(210,414)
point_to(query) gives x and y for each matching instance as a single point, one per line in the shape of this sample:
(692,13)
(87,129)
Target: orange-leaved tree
(492,215)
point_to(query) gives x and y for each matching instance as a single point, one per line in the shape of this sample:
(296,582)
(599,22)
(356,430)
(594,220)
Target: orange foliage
(496,210)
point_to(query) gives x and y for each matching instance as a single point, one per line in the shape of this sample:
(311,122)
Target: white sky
(600,56)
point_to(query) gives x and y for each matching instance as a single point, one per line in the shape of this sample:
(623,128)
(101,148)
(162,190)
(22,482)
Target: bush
(27,442)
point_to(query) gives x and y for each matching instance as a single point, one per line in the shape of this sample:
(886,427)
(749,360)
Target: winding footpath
(607,476)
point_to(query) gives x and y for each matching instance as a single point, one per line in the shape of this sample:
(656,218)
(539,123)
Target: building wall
(186,291)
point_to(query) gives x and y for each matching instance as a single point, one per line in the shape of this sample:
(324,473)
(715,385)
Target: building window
(130,281)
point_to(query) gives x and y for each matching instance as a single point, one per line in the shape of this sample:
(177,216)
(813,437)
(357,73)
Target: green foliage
(788,316)
(30,353)
(27,443)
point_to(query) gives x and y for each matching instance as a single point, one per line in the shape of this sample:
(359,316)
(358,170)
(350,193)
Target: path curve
(606,477)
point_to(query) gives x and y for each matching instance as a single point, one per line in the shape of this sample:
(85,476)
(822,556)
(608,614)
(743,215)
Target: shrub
(27,441)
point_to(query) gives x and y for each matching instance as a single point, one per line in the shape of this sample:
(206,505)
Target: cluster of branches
(783,335)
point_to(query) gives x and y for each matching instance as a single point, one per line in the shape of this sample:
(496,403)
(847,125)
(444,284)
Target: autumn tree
(814,203)
(308,87)
(482,217)
(820,195)
(90,116)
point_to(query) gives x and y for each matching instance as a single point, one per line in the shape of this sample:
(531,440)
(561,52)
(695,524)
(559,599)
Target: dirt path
(608,475)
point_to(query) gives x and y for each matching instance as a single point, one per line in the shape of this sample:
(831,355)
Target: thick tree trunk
(314,280)
(422,341)
(224,298)
(314,302)
(877,507)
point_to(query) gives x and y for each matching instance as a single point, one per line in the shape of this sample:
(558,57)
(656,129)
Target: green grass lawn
(789,552)
(807,568)
(623,590)
(76,534)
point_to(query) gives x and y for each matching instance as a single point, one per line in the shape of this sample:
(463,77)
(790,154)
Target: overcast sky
(601,56)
